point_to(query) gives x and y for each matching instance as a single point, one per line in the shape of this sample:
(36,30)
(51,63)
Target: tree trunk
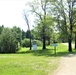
(75,40)
(43,37)
(44,42)
(48,41)
(30,43)
(69,44)
(30,39)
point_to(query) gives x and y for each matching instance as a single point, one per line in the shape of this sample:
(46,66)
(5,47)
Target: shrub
(39,43)
(46,42)
(8,43)
(26,43)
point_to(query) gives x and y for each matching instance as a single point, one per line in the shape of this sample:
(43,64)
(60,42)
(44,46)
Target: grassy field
(26,62)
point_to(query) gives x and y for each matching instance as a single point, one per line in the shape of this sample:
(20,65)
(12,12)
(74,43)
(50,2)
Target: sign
(34,45)
(55,44)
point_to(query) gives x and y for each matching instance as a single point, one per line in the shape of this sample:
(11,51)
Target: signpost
(34,46)
(55,44)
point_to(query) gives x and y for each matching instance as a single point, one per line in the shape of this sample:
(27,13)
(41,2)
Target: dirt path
(67,65)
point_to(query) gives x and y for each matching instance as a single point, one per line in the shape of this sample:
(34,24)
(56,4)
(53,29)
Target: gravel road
(67,65)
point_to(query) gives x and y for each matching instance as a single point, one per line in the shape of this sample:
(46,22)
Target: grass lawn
(26,62)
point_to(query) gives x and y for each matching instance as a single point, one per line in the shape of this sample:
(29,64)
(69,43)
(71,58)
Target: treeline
(55,20)
(12,39)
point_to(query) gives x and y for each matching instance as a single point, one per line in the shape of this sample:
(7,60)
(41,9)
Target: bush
(26,43)
(39,43)
(8,43)
(46,42)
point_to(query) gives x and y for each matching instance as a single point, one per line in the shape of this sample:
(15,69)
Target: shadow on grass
(47,52)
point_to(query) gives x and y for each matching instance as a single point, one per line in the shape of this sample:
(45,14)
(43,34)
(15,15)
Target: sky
(11,13)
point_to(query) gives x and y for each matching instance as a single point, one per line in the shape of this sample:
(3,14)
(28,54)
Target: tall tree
(48,28)
(40,9)
(74,31)
(71,4)
(8,42)
(23,34)
(1,28)
(74,27)
(27,22)
(17,33)
(65,11)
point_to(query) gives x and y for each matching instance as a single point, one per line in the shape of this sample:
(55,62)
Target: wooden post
(55,50)
(55,44)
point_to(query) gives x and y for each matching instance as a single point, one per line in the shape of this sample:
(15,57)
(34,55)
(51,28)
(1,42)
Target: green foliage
(8,43)
(23,35)
(47,24)
(26,43)
(1,29)
(39,43)
(17,33)
(27,34)
(46,42)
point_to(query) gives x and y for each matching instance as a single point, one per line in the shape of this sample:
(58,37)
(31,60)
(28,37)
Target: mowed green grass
(26,62)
